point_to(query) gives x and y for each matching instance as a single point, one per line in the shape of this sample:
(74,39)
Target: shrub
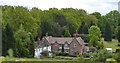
(80,57)
(45,53)
(103,55)
(10,52)
(63,54)
(86,55)
(117,50)
(118,44)
(73,55)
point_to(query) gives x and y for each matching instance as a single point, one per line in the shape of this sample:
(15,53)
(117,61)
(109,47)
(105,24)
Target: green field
(112,44)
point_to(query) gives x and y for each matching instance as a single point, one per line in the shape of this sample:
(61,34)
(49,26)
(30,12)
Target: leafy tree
(108,32)
(97,15)
(67,34)
(8,40)
(118,34)
(91,20)
(23,42)
(103,55)
(60,18)
(93,41)
(51,28)
(95,34)
(94,30)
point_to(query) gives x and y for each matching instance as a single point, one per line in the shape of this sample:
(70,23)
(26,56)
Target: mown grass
(113,44)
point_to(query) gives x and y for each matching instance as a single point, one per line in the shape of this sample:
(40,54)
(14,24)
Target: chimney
(75,34)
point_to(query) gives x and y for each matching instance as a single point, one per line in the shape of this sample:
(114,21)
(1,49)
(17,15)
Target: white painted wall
(38,51)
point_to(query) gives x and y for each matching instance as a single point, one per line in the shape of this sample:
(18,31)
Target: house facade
(72,45)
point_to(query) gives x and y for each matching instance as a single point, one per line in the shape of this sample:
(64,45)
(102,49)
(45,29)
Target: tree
(62,50)
(118,34)
(67,33)
(23,42)
(94,34)
(83,29)
(93,41)
(94,30)
(108,32)
(60,18)
(103,55)
(8,40)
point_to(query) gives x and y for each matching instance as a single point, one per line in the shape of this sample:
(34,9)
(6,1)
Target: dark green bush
(63,54)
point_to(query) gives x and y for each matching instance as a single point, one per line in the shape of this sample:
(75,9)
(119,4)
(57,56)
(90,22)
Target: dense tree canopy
(21,26)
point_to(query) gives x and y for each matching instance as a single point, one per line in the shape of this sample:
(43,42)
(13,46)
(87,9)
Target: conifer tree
(108,32)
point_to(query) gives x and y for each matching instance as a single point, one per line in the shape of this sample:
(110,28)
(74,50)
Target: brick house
(72,45)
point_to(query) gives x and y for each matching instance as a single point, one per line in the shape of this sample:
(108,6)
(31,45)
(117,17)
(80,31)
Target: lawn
(113,44)
(49,60)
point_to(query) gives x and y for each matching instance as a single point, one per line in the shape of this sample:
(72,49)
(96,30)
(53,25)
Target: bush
(86,55)
(103,55)
(10,52)
(117,50)
(45,53)
(118,44)
(93,49)
(73,55)
(80,57)
(63,54)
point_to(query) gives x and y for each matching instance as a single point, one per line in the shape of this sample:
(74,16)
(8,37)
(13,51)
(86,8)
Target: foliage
(83,29)
(108,32)
(103,55)
(93,41)
(62,50)
(45,53)
(118,34)
(94,30)
(67,33)
(10,52)
(85,37)
(21,26)
(80,57)
(94,34)
(63,54)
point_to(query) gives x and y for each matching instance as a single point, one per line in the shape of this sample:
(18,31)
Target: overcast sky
(102,6)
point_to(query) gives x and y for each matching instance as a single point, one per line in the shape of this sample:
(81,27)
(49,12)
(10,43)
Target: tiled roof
(62,40)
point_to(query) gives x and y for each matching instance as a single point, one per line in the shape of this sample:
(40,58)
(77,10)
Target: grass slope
(113,44)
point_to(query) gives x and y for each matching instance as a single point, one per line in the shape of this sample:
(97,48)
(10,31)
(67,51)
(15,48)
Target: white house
(39,50)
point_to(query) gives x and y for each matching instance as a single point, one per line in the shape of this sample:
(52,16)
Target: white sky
(102,6)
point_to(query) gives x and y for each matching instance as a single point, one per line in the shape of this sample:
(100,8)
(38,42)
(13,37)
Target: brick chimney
(75,34)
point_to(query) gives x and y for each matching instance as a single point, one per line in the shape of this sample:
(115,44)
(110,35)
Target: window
(75,45)
(66,45)
(55,44)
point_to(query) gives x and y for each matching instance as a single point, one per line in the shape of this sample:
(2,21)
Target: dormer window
(56,43)
(66,44)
